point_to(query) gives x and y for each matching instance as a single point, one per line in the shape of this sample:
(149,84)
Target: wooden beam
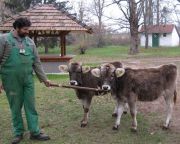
(35,40)
(62,44)
(47,34)
(55,58)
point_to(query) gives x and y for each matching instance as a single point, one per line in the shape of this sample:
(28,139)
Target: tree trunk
(146,19)
(146,40)
(100,39)
(150,13)
(157,22)
(133,20)
(134,46)
(46,50)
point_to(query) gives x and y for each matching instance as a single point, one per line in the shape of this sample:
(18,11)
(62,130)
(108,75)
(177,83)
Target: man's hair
(21,22)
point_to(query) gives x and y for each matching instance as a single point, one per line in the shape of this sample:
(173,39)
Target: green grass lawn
(60,114)
(111,53)
(56,50)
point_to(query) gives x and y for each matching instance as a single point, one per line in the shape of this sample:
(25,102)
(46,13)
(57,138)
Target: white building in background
(161,35)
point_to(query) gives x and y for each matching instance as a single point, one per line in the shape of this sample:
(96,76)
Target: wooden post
(35,40)
(63,44)
(34,37)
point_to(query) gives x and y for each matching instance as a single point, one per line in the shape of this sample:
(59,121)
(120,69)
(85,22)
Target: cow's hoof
(83,125)
(114,115)
(134,130)
(115,128)
(165,127)
(124,112)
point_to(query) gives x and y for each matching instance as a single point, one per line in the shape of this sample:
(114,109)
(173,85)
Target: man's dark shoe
(40,137)
(17,139)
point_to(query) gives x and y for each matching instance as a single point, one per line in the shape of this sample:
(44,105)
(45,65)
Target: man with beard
(18,59)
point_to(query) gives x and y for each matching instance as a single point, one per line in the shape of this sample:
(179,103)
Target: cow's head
(108,73)
(75,70)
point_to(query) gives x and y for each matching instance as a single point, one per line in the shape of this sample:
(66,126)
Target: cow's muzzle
(106,87)
(73,82)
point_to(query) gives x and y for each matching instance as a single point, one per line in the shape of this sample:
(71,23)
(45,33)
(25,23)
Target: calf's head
(75,70)
(107,73)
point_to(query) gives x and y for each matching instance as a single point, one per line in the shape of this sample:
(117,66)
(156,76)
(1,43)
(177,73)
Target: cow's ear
(63,68)
(96,72)
(119,72)
(86,69)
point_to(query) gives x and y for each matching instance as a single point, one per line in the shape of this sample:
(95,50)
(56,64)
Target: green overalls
(17,80)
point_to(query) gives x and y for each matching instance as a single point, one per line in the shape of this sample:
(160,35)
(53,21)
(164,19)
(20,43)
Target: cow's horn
(119,72)
(86,69)
(63,68)
(96,72)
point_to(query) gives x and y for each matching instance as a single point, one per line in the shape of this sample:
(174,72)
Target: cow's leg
(170,104)
(120,109)
(114,114)
(86,105)
(126,107)
(115,111)
(133,112)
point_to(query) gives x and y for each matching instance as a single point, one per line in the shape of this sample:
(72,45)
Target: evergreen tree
(20,5)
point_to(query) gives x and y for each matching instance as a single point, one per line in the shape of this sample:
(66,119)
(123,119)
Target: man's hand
(47,83)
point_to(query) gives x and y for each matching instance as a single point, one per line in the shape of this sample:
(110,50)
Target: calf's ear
(119,72)
(95,72)
(63,68)
(86,69)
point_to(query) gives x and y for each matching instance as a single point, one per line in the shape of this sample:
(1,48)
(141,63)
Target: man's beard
(22,35)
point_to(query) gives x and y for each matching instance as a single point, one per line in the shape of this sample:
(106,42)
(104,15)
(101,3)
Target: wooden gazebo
(48,21)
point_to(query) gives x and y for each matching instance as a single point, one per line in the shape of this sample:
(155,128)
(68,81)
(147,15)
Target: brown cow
(81,76)
(129,85)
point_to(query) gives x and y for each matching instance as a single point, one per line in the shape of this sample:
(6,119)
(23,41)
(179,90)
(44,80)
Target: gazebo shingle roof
(45,17)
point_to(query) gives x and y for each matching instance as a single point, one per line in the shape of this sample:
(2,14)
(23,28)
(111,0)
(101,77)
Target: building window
(164,34)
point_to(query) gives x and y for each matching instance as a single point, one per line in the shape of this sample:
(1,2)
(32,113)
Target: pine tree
(15,6)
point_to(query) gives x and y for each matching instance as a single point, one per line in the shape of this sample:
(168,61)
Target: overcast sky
(110,11)
(113,11)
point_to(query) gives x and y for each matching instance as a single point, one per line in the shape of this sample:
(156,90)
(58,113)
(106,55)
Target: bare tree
(1,11)
(147,18)
(97,9)
(177,13)
(132,11)
(81,13)
(82,17)
(150,12)
(157,20)
(4,11)
(145,15)
(169,12)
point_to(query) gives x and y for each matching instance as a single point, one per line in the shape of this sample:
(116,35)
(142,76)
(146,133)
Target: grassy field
(112,53)
(61,112)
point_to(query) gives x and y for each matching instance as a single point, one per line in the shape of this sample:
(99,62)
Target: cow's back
(148,84)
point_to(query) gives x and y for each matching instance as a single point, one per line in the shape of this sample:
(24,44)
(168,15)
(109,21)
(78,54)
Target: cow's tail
(175,96)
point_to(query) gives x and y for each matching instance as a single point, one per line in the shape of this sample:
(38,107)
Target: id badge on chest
(22,51)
